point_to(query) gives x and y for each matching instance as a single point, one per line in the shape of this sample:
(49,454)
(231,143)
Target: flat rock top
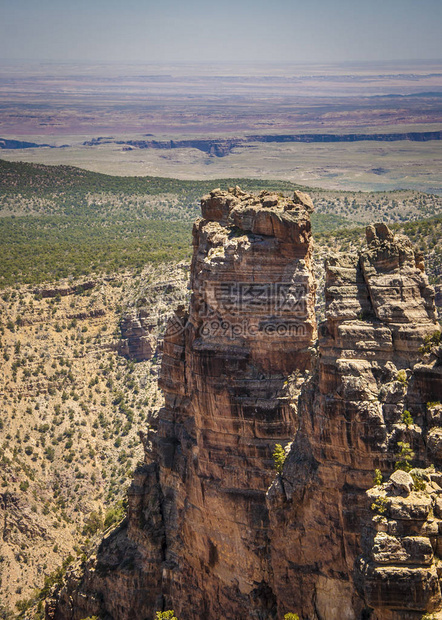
(267,213)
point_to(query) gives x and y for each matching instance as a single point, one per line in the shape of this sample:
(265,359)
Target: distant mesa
(18,144)
(219,147)
(222,147)
(397,95)
(99,140)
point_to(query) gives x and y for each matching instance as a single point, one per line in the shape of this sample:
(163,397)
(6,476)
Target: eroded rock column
(251,324)
(379,307)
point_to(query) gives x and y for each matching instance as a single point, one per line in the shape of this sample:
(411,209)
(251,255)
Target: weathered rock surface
(401,541)
(379,307)
(211,532)
(137,341)
(142,327)
(250,325)
(198,535)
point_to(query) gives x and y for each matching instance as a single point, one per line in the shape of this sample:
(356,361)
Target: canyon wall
(213,531)
(379,307)
(221,147)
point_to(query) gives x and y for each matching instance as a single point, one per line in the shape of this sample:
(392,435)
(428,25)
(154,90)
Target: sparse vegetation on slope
(57,221)
(72,406)
(72,412)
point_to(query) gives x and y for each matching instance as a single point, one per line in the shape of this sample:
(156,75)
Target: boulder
(401,482)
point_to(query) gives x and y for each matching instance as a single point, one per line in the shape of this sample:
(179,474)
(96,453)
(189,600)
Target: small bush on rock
(377,481)
(407,419)
(279,457)
(404,457)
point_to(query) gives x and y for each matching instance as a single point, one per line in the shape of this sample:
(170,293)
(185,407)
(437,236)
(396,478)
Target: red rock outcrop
(137,340)
(212,531)
(351,417)
(198,534)
(251,324)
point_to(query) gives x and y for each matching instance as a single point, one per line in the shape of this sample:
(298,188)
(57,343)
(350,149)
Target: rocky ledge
(372,392)
(213,531)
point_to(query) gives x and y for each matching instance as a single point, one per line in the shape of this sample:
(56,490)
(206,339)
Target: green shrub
(407,418)
(418,483)
(402,377)
(50,453)
(279,457)
(165,615)
(380,505)
(92,524)
(377,481)
(115,514)
(404,457)
(430,341)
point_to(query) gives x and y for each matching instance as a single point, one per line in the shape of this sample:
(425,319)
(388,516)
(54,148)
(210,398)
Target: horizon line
(219,62)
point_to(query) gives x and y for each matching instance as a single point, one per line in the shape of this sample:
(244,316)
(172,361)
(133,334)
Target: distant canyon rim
(103,104)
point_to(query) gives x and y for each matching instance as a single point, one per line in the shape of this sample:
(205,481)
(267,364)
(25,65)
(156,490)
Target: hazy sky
(220,30)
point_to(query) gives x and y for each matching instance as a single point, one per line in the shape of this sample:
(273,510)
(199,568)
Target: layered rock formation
(250,325)
(402,542)
(223,147)
(213,531)
(198,521)
(137,340)
(379,308)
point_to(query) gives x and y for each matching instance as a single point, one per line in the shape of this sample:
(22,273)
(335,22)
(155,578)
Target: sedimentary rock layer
(213,531)
(198,535)
(250,325)
(378,307)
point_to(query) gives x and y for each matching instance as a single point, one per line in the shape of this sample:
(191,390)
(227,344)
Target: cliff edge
(213,531)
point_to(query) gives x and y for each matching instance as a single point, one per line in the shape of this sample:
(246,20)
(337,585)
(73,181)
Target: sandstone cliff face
(399,571)
(379,307)
(250,325)
(137,341)
(198,521)
(212,531)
